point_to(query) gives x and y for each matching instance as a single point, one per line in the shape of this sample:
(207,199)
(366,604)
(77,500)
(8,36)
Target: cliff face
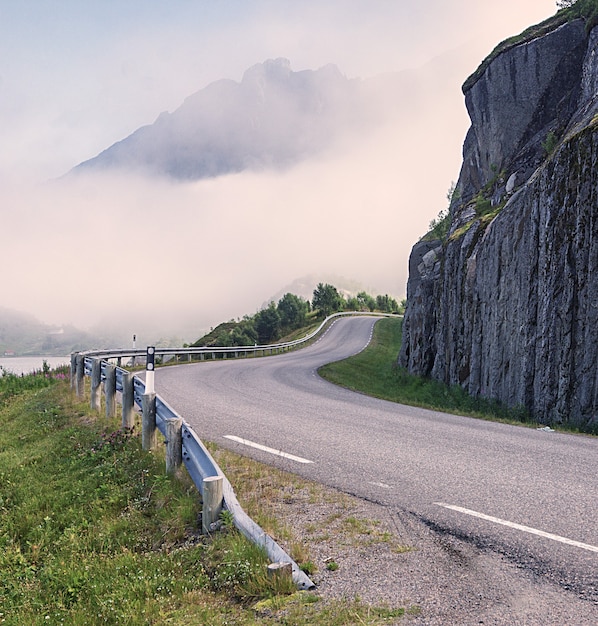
(507,305)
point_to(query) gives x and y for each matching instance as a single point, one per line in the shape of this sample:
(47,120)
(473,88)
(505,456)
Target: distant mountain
(274,117)
(22,334)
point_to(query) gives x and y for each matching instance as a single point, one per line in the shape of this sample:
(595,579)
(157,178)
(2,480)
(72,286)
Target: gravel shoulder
(389,557)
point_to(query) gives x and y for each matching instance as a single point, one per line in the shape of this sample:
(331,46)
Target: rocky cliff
(506,305)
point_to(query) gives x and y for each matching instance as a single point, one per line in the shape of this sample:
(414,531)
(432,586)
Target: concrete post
(110,389)
(212,502)
(148,421)
(96,384)
(174,443)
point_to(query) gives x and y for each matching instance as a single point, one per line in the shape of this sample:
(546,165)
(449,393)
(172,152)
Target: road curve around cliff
(527,495)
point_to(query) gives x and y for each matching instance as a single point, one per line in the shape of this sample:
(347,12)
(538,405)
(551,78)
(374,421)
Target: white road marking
(382,485)
(525,529)
(259,446)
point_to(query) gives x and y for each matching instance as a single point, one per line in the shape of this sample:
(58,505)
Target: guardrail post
(128,400)
(110,389)
(174,443)
(96,383)
(281,570)
(80,376)
(212,502)
(148,421)
(73,371)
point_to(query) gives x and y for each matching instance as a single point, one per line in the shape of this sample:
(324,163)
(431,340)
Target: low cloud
(137,253)
(181,257)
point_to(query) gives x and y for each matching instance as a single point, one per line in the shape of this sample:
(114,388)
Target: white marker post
(149,369)
(148,401)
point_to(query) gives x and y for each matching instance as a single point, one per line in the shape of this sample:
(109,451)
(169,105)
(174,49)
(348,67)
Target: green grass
(12,385)
(90,527)
(372,370)
(586,9)
(375,372)
(92,531)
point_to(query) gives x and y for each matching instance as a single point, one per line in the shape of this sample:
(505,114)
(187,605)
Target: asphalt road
(528,495)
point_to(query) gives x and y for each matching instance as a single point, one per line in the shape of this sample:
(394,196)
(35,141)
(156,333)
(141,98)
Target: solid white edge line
(259,446)
(525,529)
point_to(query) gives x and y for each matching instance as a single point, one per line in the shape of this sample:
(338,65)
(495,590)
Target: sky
(77,76)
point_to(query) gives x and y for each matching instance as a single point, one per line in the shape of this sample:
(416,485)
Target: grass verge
(93,532)
(375,372)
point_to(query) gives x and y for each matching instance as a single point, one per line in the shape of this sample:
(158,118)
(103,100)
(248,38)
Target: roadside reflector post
(148,401)
(149,369)
(212,497)
(134,348)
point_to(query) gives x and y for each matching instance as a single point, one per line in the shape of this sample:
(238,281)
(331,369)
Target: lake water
(28,364)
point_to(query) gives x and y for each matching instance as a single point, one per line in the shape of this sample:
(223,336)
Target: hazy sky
(77,76)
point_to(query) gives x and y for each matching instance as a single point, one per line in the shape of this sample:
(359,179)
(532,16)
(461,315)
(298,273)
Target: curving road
(528,495)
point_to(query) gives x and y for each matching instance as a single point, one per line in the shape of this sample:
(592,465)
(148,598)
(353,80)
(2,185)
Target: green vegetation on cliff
(585,9)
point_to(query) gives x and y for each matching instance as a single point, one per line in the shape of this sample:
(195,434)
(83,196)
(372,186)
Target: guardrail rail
(195,456)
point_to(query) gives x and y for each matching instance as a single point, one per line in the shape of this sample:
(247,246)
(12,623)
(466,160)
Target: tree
(367,302)
(386,304)
(327,300)
(353,304)
(292,310)
(267,324)
(244,334)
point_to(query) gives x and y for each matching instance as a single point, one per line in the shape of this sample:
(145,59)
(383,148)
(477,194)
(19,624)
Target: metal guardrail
(196,458)
(201,465)
(228,352)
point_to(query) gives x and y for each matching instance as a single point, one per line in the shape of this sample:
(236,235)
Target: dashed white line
(259,446)
(525,529)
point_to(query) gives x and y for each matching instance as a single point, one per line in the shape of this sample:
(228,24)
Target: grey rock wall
(509,308)
(523,94)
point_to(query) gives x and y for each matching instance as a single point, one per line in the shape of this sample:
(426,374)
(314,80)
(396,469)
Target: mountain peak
(271,68)
(273,118)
